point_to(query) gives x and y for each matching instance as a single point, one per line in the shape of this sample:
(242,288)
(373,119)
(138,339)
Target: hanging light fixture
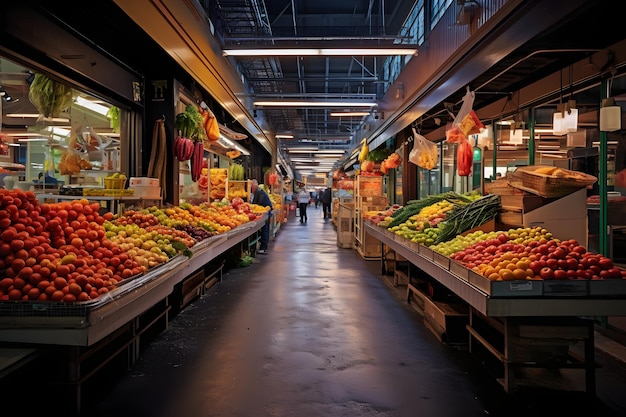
(515,135)
(565,119)
(610,115)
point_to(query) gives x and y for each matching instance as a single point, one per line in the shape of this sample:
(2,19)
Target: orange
(506,275)
(519,274)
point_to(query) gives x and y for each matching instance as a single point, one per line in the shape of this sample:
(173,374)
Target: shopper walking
(261,198)
(326,199)
(303,201)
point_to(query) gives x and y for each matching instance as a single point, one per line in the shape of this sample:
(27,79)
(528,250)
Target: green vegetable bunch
(378,155)
(236,172)
(49,96)
(245,260)
(189,122)
(114,114)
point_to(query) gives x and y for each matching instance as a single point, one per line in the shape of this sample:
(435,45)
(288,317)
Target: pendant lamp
(515,136)
(558,121)
(610,115)
(570,117)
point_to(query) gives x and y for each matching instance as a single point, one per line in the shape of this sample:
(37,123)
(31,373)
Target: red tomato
(560,274)
(572,263)
(546,273)
(582,274)
(605,263)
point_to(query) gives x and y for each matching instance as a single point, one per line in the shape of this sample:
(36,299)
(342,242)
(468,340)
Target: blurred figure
(261,198)
(304,199)
(326,199)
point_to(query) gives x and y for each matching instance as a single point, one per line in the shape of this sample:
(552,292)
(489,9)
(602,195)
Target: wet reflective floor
(310,329)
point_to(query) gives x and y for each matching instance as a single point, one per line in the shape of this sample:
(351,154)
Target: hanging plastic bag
(425,153)
(464,158)
(457,131)
(211,127)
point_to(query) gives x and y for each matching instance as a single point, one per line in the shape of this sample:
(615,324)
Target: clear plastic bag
(466,122)
(425,154)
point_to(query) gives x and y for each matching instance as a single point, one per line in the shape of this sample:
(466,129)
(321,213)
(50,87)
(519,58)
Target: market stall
(88,335)
(513,307)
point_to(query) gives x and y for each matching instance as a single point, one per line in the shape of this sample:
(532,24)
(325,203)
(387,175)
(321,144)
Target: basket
(550,186)
(114,183)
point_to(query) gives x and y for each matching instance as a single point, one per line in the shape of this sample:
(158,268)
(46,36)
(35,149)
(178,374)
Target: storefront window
(76,143)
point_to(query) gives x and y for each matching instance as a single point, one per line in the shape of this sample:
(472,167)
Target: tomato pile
(539,256)
(56,252)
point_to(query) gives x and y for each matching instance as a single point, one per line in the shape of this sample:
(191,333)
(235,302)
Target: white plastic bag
(425,153)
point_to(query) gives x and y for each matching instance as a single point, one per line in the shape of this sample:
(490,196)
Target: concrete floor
(311,329)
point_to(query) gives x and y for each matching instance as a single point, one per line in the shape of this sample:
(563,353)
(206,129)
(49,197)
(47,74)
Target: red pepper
(464,155)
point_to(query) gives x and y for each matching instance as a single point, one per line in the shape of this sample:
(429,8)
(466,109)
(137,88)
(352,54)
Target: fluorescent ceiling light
(23,115)
(37,115)
(284,136)
(350,114)
(227,143)
(95,107)
(42,139)
(383,51)
(302,148)
(25,135)
(310,103)
(58,131)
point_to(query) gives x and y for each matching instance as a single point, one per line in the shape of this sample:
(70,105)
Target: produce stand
(88,335)
(528,320)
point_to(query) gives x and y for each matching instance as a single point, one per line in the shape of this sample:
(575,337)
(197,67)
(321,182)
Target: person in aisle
(261,198)
(304,199)
(326,199)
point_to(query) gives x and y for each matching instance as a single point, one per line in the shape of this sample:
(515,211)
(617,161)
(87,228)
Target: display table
(90,334)
(514,317)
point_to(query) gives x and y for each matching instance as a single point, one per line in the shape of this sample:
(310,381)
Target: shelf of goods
(92,333)
(368,195)
(536,320)
(112,204)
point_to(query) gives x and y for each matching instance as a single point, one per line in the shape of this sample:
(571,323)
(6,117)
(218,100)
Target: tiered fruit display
(68,252)
(528,253)
(142,236)
(57,252)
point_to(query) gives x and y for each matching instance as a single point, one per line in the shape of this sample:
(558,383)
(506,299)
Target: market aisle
(308,330)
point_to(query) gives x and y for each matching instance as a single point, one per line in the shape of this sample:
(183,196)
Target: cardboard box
(143,181)
(147,191)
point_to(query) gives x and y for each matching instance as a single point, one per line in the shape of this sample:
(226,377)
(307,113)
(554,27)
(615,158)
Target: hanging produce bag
(424,153)
(466,121)
(464,161)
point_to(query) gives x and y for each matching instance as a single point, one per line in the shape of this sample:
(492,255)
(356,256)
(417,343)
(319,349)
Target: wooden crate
(446,321)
